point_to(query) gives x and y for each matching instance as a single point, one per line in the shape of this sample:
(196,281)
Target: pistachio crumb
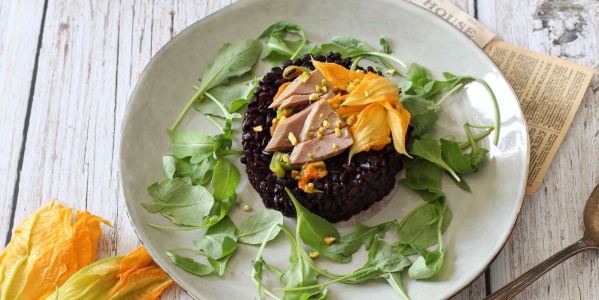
(390,71)
(310,186)
(304,77)
(334,89)
(318,88)
(314,97)
(258,128)
(282,119)
(350,120)
(356,81)
(323,82)
(324,89)
(338,124)
(337,132)
(292,138)
(321,129)
(336,105)
(286,158)
(247,208)
(319,135)
(367,93)
(307,135)
(314,254)
(326,124)
(389,140)
(310,155)
(329,240)
(321,115)
(335,146)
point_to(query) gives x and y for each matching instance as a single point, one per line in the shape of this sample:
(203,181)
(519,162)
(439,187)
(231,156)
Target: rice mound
(347,189)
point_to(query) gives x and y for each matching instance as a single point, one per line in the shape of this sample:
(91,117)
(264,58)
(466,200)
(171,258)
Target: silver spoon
(589,241)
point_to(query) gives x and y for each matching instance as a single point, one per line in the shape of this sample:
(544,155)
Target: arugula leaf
(426,147)
(219,211)
(383,258)
(385,48)
(423,114)
(299,273)
(220,265)
(233,97)
(279,49)
(232,60)
(225,179)
(194,144)
(219,240)
(189,265)
(362,235)
(253,230)
(180,201)
(313,229)
(357,49)
(419,229)
(424,177)
(461,162)
(199,173)
(429,263)
(394,279)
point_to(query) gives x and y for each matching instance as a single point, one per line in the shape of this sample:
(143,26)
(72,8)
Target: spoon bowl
(589,241)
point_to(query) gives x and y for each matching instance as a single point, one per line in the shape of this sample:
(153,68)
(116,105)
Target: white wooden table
(67,69)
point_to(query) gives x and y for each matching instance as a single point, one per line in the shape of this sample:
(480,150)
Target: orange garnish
(309,172)
(46,249)
(373,88)
(371,130)
(399,120)
(134,276)
(337,75)
(281,89)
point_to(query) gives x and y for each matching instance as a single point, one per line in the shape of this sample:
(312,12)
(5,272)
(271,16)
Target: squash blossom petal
(134,276)
(373,88)
(371,130)
(47,248)
(337,75)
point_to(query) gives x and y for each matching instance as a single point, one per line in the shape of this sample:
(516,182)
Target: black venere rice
(345,191)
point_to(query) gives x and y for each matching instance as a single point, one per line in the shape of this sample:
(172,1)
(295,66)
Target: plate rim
(128,116)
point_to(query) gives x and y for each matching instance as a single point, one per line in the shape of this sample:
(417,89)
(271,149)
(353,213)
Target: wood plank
(551,219)
(21,23)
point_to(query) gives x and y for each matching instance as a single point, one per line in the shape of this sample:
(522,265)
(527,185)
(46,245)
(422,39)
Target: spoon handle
(520,283)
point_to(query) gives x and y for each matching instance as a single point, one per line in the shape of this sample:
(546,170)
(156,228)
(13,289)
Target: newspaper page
(550,91)
(464,22)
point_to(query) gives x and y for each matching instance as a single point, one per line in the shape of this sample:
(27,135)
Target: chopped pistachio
(258,128)
(247,208)
(336,105)
(361,71)
(367,93)
(292,138)
(338,124)
(321,129)
(281,119)
(286,158)
(356,81)
(314,97)
(319,135)
(323,82)
(389,140)
(310,155)
(334,89)
(390,71)
(324,88)
(335,146)
(307,135)
(310,187)
(321,115)
(350,120)
(314,254)
(318,88)
(337,132)
(304,77)
(329,240)
(326,124)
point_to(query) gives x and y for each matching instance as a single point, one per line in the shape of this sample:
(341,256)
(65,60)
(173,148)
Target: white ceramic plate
(483,219)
